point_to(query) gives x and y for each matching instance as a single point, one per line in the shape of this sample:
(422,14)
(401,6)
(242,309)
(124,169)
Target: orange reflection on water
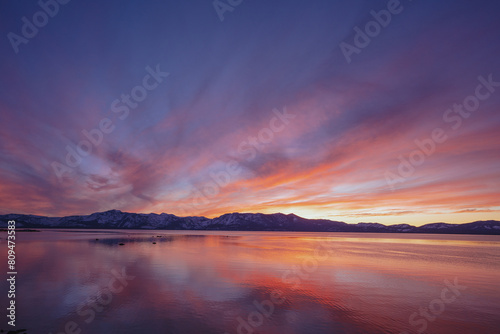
(205,281)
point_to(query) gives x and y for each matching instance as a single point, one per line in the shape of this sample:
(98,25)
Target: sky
(357,111)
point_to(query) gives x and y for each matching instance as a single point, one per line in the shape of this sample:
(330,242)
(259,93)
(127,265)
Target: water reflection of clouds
(202,283)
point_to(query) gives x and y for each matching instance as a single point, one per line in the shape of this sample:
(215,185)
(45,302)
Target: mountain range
(115,219)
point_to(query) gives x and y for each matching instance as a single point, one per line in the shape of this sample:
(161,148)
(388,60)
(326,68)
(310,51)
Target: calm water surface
(254,282)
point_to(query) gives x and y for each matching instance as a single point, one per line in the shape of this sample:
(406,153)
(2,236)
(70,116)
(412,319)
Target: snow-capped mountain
(237,222)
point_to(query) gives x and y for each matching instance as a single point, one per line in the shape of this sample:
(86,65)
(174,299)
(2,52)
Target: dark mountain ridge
(115,219)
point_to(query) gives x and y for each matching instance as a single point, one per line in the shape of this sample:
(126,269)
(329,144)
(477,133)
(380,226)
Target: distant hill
(237,222)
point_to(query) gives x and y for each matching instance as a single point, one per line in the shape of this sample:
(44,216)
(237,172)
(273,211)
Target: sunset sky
(259,112)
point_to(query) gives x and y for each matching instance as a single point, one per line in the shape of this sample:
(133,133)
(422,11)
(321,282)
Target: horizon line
(235,212)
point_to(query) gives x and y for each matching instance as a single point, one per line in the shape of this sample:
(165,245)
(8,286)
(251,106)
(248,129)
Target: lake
(84,281)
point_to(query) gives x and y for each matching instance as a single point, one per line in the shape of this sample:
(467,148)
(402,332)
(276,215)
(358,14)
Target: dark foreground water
(253,282)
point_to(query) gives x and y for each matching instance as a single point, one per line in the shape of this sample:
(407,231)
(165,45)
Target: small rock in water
(121,244)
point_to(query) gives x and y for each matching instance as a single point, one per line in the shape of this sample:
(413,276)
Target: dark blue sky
(336,156)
